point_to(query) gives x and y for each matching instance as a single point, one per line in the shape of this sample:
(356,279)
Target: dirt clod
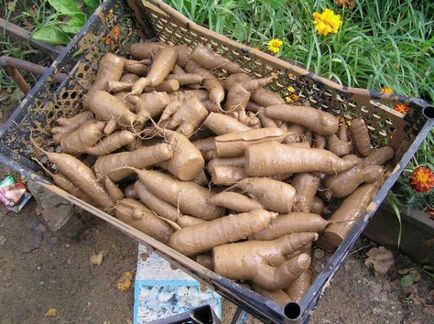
(381,259)
(125,281)
(96,258)
(318,254)
(51,312)
(429,309)
(2,240)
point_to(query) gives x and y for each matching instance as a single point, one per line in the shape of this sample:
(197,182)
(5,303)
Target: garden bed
(417,237)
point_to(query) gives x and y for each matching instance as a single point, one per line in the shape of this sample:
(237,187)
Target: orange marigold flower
(386,90)
(113,36)
(400,107)
(422,179)
(116,31)
(345,3)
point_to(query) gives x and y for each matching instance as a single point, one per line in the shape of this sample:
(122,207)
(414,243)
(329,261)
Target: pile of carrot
(218,168)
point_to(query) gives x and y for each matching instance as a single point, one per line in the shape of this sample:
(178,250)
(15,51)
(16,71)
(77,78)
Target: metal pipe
(199,315)
(28,66)
(16,75)
(22,64)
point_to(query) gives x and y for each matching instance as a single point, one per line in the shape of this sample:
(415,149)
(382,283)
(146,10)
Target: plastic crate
(115,25)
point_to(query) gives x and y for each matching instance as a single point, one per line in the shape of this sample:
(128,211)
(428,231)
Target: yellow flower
(327,22)
(386,90)
(274,45)
(290,89)
(291,98)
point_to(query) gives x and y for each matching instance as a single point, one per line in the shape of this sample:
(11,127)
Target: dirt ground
(58,273)
(40,270)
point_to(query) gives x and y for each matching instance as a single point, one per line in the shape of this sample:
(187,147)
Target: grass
(381,42)
(27,14)
(31,15)
(404,193)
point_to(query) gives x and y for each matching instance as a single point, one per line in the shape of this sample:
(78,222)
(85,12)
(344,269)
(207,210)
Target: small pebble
(38,268)
(317,268)
(318,254)
(38,210)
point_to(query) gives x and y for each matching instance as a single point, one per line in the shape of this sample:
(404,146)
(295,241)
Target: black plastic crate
(116,24)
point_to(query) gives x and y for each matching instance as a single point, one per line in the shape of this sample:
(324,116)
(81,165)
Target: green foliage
(404,192)
(429,270)
(410,278)
(91,4)
(68,19)
(394,202)
(74,24)
(64,7)
(51,34)
(403,195)
(381,42)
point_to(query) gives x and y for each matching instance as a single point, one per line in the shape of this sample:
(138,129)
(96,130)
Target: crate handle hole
(292,310)
(428,112)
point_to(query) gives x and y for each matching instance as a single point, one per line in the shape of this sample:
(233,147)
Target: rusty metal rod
(7,61)
(18,78)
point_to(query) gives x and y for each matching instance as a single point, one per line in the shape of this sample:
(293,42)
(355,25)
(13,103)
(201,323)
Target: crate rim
(321,282)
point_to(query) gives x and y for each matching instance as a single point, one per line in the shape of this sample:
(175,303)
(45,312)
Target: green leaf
(394,202)
(412,277)
(65,7)
(91,4)
(429,270)
(74,24)
(406,281)
(51,34)
(11,6)
(78,53)
(403,271)
(275,4)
